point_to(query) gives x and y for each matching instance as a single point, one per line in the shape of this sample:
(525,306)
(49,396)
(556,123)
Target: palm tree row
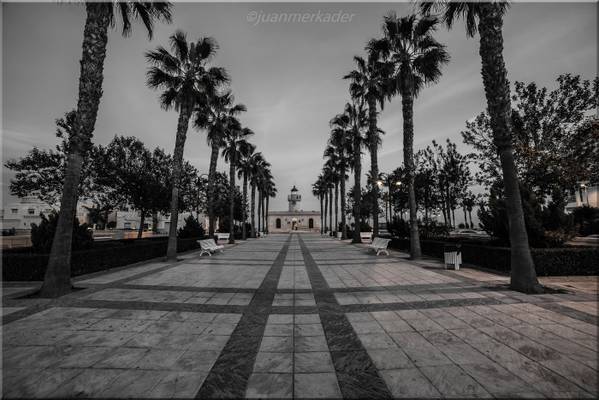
(190,85)
(402,62)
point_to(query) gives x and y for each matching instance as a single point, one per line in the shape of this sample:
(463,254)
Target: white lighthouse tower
(294,199)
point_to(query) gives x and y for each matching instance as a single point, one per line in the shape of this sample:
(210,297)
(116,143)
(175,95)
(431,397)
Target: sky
(288,74)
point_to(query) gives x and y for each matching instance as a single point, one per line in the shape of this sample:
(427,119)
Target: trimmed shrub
(191,229)
(42,235)
(31,266)
(548,262)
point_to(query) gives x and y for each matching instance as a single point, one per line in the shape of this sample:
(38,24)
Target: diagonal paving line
(356,373)
(229,376)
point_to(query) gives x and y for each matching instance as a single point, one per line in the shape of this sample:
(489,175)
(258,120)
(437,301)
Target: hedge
(19,266)
(548,262)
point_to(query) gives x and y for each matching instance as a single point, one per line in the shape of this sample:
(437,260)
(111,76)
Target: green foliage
(192,229)
(42,235)
(555,141)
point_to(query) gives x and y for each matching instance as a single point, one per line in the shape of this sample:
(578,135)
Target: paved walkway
(299,316)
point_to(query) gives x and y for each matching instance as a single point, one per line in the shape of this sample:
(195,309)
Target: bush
(42,235)
(31,267)
(192,229)
(586,220)
(548,262)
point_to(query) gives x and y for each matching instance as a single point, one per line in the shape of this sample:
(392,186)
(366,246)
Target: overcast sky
(287,74)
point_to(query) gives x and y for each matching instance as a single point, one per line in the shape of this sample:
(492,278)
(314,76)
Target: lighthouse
(294,199)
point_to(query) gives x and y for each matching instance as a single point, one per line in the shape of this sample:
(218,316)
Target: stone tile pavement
(300,316)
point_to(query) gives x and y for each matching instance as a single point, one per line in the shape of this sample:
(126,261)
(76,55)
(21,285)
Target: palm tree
(270,191)
(99,17)
(188,83)
(487,19)
(356,116)
(245,165)
(236,147)
(257,164)
(217,118)
(417,57)
(340,144)
(318,190)
(370,80)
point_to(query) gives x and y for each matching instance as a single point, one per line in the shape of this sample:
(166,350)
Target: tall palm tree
(417,57)
(217,118)
(245,165)
(356,116)
(318,190)
(99,17)
(188,82)
(236,147)
(340,144)
(371,80)
(487,19)
(257,164)
(270,191)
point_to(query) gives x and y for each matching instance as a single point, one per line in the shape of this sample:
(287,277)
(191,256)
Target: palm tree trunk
(182,125)
(342,194)
(245,200)
(211,188)
(407,101)
(252,211)
(470,215)
(266,214)
(232,197)
(357,194)
(142,219)
(326,210)
(331,209)
(321,215)
(263,213)
(497,91)
(336,227)
(374,164)
(259,210)
(57,279)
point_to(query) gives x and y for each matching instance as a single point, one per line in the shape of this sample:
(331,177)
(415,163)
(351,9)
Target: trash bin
(452,255)
(339,234)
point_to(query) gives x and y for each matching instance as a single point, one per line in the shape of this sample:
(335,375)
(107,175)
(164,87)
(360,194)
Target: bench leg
(203,252)
(382,251)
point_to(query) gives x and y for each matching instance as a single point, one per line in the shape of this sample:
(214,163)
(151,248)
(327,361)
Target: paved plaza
(302,316)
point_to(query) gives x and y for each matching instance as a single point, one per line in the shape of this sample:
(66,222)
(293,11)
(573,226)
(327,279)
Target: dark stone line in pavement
(570,312)
(182,288)
(481,301)
(229,376)
(356,374)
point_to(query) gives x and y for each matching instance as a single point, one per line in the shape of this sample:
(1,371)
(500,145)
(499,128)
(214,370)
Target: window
(278,223)
(311,223)
(14,210)
(31,211)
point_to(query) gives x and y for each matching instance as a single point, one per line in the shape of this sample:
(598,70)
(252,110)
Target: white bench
(223,235)
(379,245)
(453,258)
(209,246)
(366,236)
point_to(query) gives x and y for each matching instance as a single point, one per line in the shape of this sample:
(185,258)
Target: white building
(21,214)
(585,195)
(294,219)
(129,219)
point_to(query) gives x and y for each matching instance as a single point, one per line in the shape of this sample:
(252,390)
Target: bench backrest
(208,244)
(223,235)
(365,235)
(380,242)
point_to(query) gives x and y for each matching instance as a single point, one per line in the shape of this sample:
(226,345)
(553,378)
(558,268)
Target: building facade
(21,214)
(294,219)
